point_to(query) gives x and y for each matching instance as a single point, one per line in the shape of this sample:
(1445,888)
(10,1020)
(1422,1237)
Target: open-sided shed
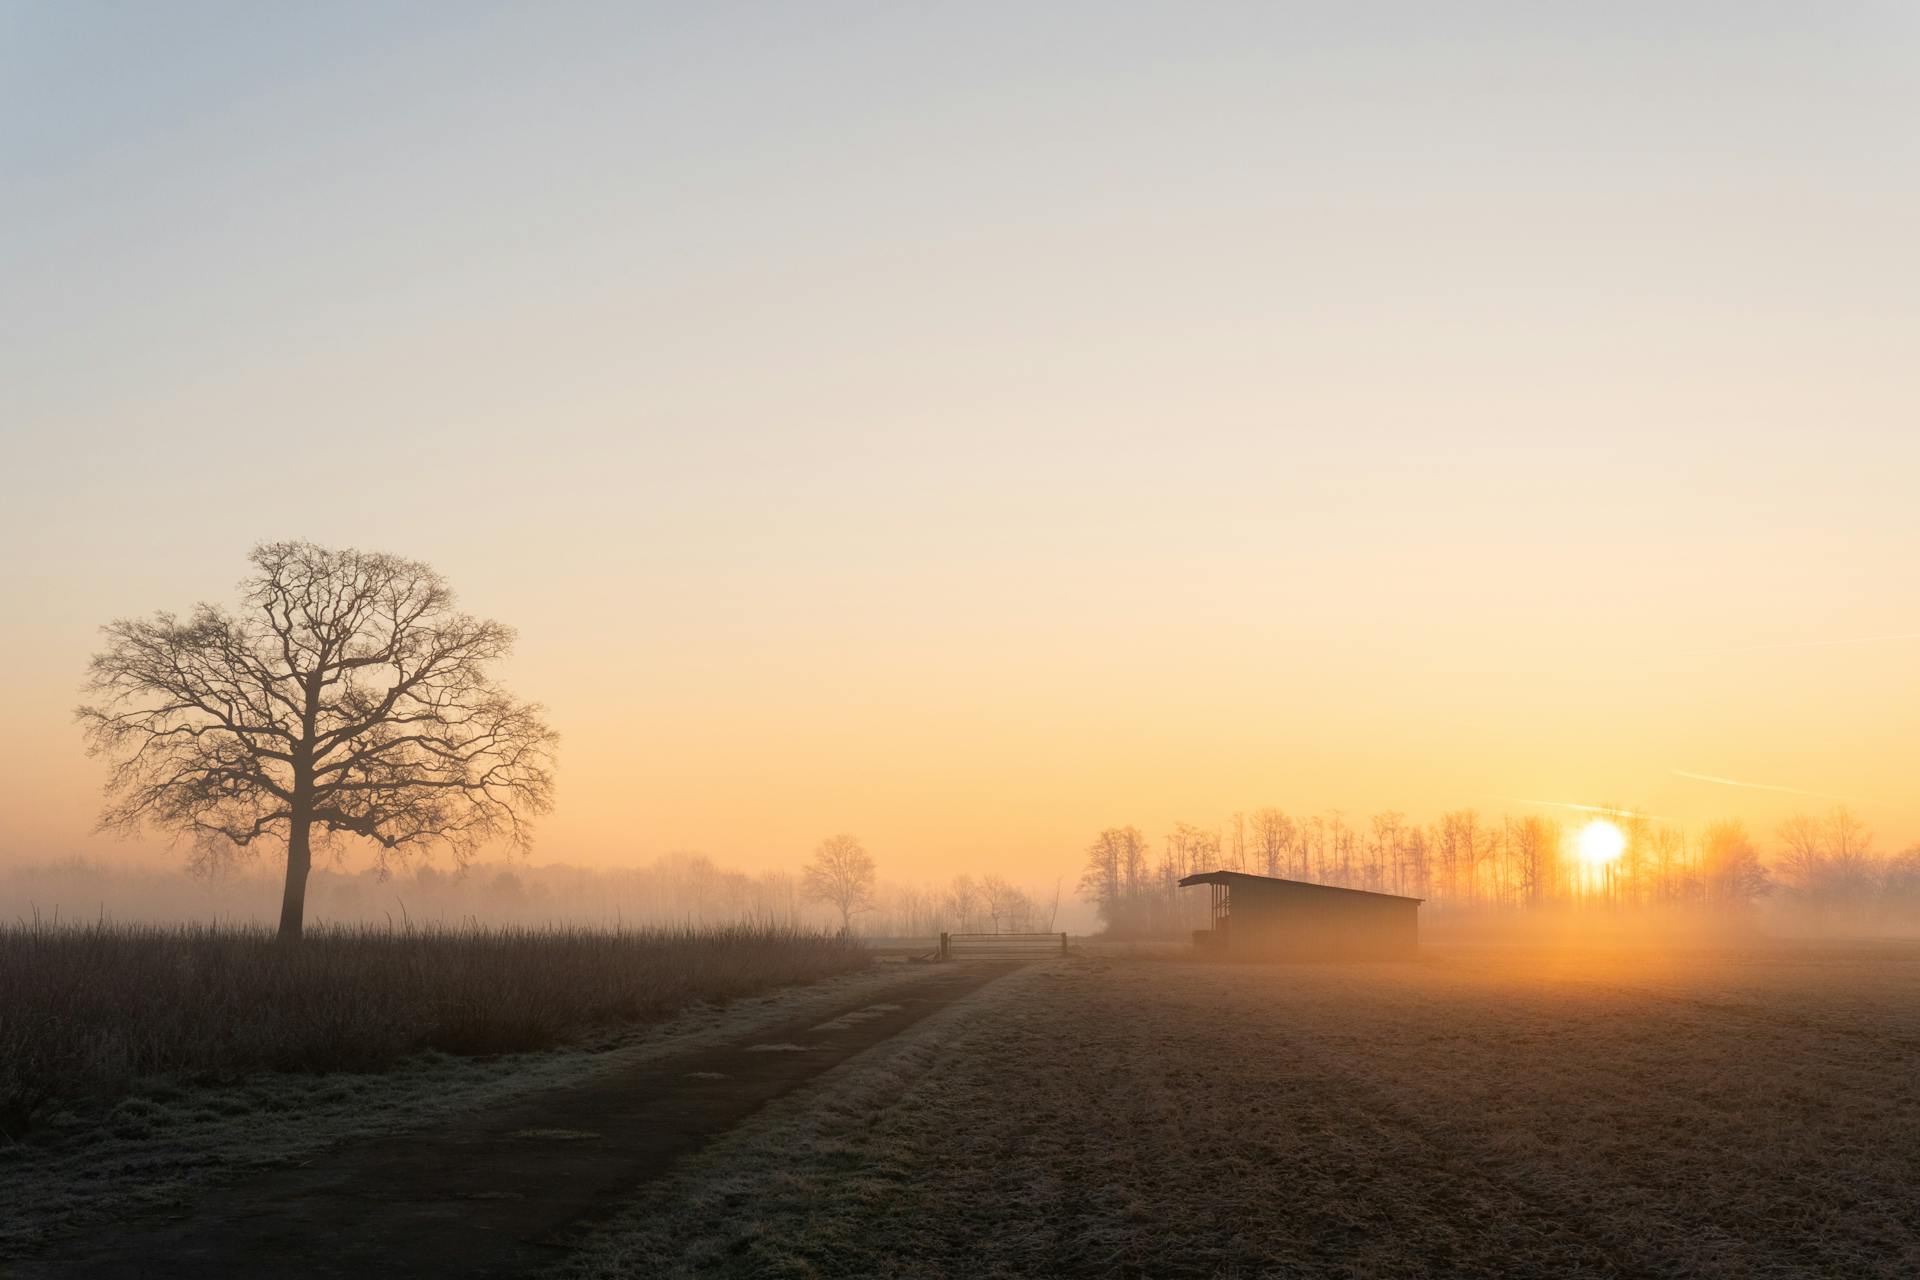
(1266,916)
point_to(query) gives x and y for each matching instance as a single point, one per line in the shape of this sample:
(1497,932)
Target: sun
(1600,842)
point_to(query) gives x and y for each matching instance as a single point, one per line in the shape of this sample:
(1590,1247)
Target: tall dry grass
(88,1010)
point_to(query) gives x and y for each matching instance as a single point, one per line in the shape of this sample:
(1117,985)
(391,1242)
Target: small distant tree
(962,897)
(1007,905)
(1668,846)
(1272,841)
(841,874)
(1852,870)
(1534,844)
(1382,849)
(1116,878)
(1802,857)
(1901,881)
(346,694)
(1730,865)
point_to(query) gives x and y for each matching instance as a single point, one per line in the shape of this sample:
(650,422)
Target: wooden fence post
(943,945)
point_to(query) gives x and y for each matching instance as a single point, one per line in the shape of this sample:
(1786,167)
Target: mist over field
(1819,874)
(1101,640)
(678,889)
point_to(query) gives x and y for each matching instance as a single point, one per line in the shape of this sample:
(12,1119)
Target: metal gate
(1002,946)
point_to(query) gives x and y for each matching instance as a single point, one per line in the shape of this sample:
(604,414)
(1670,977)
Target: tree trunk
(293,903)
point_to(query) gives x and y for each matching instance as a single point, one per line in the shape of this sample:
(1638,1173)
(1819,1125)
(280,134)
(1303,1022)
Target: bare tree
(1852,871)
(1669,848)
(1006,904)
(841,874)
(962,898)
(1731,865)
(347,694)
(1534,843)
(1116,877)
(1383,849)
(1804,856)
(1272,840)
(1341,838)
(1416,859)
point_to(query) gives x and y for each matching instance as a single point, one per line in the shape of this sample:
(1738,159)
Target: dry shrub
(88,1010)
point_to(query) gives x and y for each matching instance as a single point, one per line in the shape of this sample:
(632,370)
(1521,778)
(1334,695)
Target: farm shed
(1264,916)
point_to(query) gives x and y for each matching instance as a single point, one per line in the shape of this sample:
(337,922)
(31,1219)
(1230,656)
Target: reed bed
(90,1010)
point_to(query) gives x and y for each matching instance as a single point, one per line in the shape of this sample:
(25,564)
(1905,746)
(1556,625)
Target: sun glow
(1600,842)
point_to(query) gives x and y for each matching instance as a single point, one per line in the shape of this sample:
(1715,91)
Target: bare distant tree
(347,693)
(1116,875)
(1341,838)
(1731,866)
(1669,846)
(1534,843)
(1272,841)
(1460,845)
(1803,855)
(1901,880)
(1383,850)
(841,874)
(962,898)
(1007,905)
(1851,868)
(1416,862)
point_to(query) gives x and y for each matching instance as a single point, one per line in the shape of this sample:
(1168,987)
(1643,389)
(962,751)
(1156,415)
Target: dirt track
(496,1195)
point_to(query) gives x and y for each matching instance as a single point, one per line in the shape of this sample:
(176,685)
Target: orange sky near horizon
(973,428)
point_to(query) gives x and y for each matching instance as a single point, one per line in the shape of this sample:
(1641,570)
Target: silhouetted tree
(1116,877)
(962,899)
(1007,905)
(1534,844)
(1901,879)
(1272,841)
(1851,869)
(1829,858)
(346,694)
(1801,858)
(841,874)
(1668,846)
(1382,850)
(1731,865)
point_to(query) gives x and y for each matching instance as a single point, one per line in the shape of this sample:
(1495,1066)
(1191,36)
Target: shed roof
(1232,878)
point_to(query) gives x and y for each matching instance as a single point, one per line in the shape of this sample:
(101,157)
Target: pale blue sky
(1363,368)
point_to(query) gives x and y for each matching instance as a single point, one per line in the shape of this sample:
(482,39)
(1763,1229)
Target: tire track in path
(492,1195)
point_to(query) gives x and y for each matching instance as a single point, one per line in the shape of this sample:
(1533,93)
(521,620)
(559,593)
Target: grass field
(1749,1112)
(89,1014)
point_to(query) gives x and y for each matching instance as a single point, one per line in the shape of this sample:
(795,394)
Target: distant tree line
(674,889)
(1467,860)
(843,876)
(965,904)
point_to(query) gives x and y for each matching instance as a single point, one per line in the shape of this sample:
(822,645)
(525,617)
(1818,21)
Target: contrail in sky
(1588,808)
(1811,644)
(1762,786)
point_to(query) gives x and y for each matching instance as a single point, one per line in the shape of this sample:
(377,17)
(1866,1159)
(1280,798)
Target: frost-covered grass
(169,1143)
(88,1012)
(1515,1112)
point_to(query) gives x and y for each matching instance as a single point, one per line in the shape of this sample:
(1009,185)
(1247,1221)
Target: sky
(973,425)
